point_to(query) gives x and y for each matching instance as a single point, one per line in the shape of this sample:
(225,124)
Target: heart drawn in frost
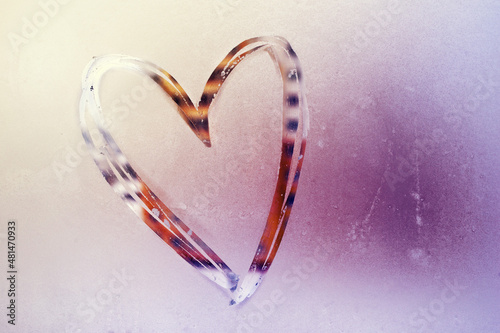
(128,184)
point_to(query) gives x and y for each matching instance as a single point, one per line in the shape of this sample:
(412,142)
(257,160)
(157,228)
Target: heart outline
(126,182)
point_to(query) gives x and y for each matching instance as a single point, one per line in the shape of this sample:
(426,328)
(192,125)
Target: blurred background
(395,226)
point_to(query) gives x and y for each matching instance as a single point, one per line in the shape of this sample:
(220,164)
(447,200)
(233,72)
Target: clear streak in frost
(128,184)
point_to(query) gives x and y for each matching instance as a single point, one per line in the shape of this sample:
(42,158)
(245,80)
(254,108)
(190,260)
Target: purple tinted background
(395,225)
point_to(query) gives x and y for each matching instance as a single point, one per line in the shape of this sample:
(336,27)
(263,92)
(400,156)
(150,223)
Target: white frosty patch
(419,221)
(416,253)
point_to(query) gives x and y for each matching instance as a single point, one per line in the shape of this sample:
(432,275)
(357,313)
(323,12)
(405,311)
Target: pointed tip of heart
(207,143)
(236,301)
